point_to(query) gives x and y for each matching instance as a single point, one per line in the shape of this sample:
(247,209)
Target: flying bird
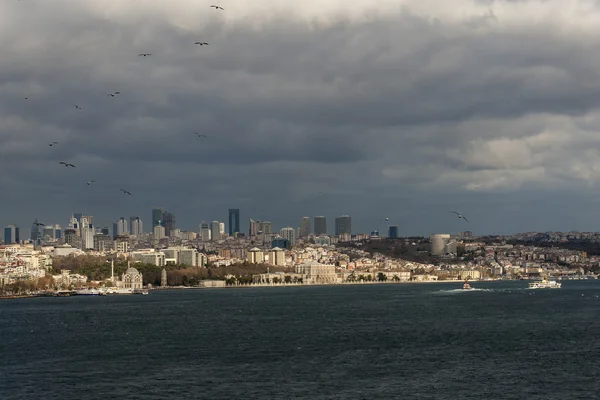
(200,135)
(52,144)
(90,182)
(39,224)
(125,191)
(77,107)
(27,97)
(113,94)
(218,7)
(459,215)
(66,164)
(144,54)
(201,43)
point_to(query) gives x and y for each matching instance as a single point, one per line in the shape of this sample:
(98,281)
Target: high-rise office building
(11,234)
(48,233)
(305,229)
(135,226)
(343,225)
(87,233)
(253,227)
(234,221)
(265,227)
(289,234)
(35,232)
(215,230)
(393,232)
(320,226)
(57,232)
(157,216)
(169,223)
(205,231)
(159,232)
(120,228)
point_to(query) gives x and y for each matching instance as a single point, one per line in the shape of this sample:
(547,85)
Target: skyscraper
(35,232)
(393,232)
(135,225)
(87,233)
(120,227)
(305,229)
(205,231)
(11,234)
(215,230)
(289,234)
(253,227)
(320,226)
(234,221)
(265,227)
(157,216)
(343,225)
(169,223)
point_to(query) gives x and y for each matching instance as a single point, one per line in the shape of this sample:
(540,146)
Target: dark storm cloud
(398,113)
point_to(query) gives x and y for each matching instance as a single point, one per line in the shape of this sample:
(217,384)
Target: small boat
(140,291)
(466,286)
(545,284)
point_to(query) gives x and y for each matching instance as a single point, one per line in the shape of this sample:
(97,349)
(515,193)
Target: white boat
(88,292)
(545,284)
(466,286)
(113,290)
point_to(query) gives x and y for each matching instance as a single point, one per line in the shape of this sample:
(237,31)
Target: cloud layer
(405,110)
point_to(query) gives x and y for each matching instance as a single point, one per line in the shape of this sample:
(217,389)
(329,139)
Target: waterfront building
(132,279)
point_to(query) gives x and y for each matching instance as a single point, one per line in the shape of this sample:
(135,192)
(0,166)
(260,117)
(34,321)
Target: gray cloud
(403,113)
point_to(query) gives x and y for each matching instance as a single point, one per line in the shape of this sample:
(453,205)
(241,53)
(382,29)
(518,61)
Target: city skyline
(390,110)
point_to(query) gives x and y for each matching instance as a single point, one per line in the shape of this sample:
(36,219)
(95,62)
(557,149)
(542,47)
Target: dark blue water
(421,341)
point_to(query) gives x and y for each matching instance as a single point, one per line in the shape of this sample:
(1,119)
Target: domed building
(132,279)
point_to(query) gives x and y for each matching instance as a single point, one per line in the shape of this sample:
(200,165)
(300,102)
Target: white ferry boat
(545,284)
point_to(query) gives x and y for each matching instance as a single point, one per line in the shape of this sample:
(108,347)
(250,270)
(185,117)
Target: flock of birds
(114,94)
(200,135)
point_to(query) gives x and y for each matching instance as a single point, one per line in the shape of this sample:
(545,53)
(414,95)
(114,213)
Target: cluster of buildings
(308,252)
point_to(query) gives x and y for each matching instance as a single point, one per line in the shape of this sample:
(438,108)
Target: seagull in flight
(113,94)
(201,43)
(459,215)
(125,191)
(200,135)
(218,7)
(77,107)
(144,54)
(39,224)
(66,164)
(27,97)
(90,182)
(52,144)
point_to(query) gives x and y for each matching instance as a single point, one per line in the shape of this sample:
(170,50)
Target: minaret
(112,271)
(163,278)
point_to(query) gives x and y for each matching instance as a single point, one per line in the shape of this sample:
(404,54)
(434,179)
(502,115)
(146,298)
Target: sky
(404,109)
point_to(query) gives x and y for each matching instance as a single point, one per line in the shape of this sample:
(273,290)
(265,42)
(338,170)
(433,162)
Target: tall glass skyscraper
(320,225)
(393,232)
(234,221)
(343,225)
(11,234)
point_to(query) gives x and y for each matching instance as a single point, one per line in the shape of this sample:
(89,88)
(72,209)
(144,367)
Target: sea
(378,341)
